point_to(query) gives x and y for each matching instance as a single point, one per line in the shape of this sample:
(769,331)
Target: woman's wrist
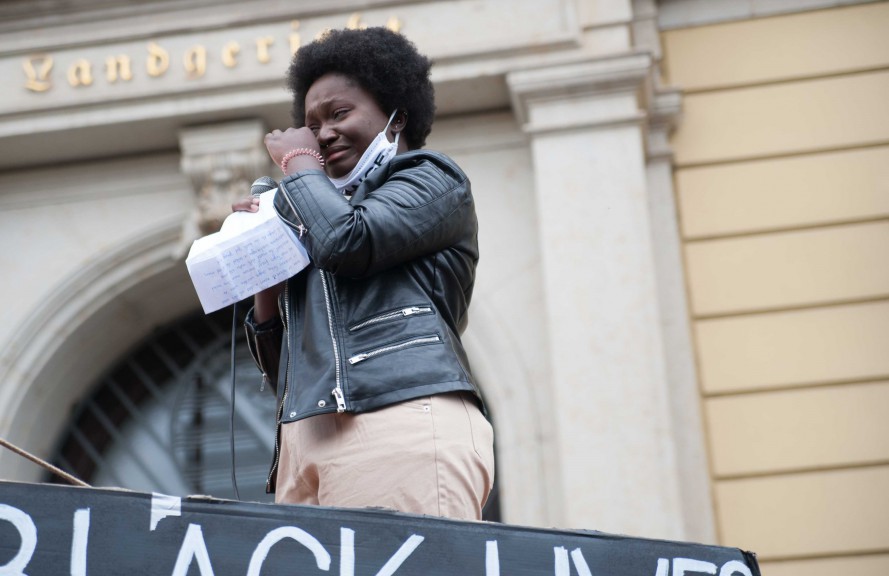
(301,153)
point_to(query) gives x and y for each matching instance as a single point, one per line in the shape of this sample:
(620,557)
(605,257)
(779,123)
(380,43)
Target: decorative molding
(607,92)
(189,65)
(131,176)
(62,329)
(222,161)
(665,103)
(674,14)
(83,22)
(665,113)
(582,82)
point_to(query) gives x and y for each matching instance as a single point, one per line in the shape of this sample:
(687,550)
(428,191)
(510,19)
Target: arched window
(159,421)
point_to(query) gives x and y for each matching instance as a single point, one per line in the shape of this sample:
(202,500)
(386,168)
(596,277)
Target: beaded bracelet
(300,152)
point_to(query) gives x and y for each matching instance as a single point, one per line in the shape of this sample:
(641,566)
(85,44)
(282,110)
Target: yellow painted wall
(782,182)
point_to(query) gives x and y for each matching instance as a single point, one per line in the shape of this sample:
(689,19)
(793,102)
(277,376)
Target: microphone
(263,184)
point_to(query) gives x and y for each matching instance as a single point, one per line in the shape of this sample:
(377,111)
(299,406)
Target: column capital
(221,161)
(664,113)
(558,98)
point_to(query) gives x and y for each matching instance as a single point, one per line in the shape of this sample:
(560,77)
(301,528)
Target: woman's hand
(248,204)
(280,143)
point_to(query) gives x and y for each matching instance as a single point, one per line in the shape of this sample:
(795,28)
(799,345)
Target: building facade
(783,193)
(680,316)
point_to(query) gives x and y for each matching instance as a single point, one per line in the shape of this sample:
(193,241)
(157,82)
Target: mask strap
(386,129)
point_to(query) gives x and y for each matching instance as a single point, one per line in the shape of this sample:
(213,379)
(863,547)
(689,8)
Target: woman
(377,402)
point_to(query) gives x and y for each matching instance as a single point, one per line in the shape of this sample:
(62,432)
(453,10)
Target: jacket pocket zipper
(394,347)
(403,312)
(280,414)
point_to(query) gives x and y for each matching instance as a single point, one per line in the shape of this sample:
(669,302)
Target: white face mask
(378,153)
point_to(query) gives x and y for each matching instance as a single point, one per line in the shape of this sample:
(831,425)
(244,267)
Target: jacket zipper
(415,342)
(338,389)
(268,483)
(409,311)
(265,373)
(299,225)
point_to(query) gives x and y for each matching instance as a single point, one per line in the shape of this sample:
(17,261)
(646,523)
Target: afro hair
(381,61)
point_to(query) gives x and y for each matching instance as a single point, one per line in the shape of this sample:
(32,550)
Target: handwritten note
(252,251)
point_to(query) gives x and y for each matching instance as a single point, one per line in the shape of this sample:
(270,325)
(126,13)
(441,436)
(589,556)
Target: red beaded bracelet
(300,152)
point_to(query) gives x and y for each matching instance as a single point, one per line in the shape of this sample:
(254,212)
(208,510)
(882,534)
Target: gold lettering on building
(262,49)
(355,23)
(394,24)
(295,41)
(80,73)
(37,69)
(158,60)
(230,54)
(118,67)
(195,61)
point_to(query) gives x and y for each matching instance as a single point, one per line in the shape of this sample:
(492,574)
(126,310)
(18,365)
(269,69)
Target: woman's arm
(265,303)
(420,203)
(263,324)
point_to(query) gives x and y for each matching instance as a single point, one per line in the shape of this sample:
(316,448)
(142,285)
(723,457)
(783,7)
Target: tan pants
(432,455)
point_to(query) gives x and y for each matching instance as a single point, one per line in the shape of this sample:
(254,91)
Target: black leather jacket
(375,318)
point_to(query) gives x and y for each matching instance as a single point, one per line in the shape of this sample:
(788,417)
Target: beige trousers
(432,455)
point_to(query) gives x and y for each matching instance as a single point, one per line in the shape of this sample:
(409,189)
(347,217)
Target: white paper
(251,252)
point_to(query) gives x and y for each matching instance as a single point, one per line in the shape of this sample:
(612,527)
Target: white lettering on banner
(79,541)
(322,557)
(733,567)
(399,557)
(563,567)
(683,566)
(162,506)
(347,552)
(193,546)
(580,562)
(194,549)
(27,532)
(492,558)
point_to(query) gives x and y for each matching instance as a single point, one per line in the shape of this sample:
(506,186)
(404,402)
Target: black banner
(58,530)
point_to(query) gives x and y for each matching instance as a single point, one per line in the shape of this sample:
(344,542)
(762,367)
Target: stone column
(586,122)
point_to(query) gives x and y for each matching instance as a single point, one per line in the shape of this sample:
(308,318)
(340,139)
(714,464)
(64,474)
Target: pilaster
(587,124)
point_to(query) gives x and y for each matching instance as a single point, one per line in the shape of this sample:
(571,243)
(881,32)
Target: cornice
(593,78)
(664,115)
(45,25)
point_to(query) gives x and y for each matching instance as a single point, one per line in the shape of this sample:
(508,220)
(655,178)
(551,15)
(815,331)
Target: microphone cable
(232,421)
(259,186)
